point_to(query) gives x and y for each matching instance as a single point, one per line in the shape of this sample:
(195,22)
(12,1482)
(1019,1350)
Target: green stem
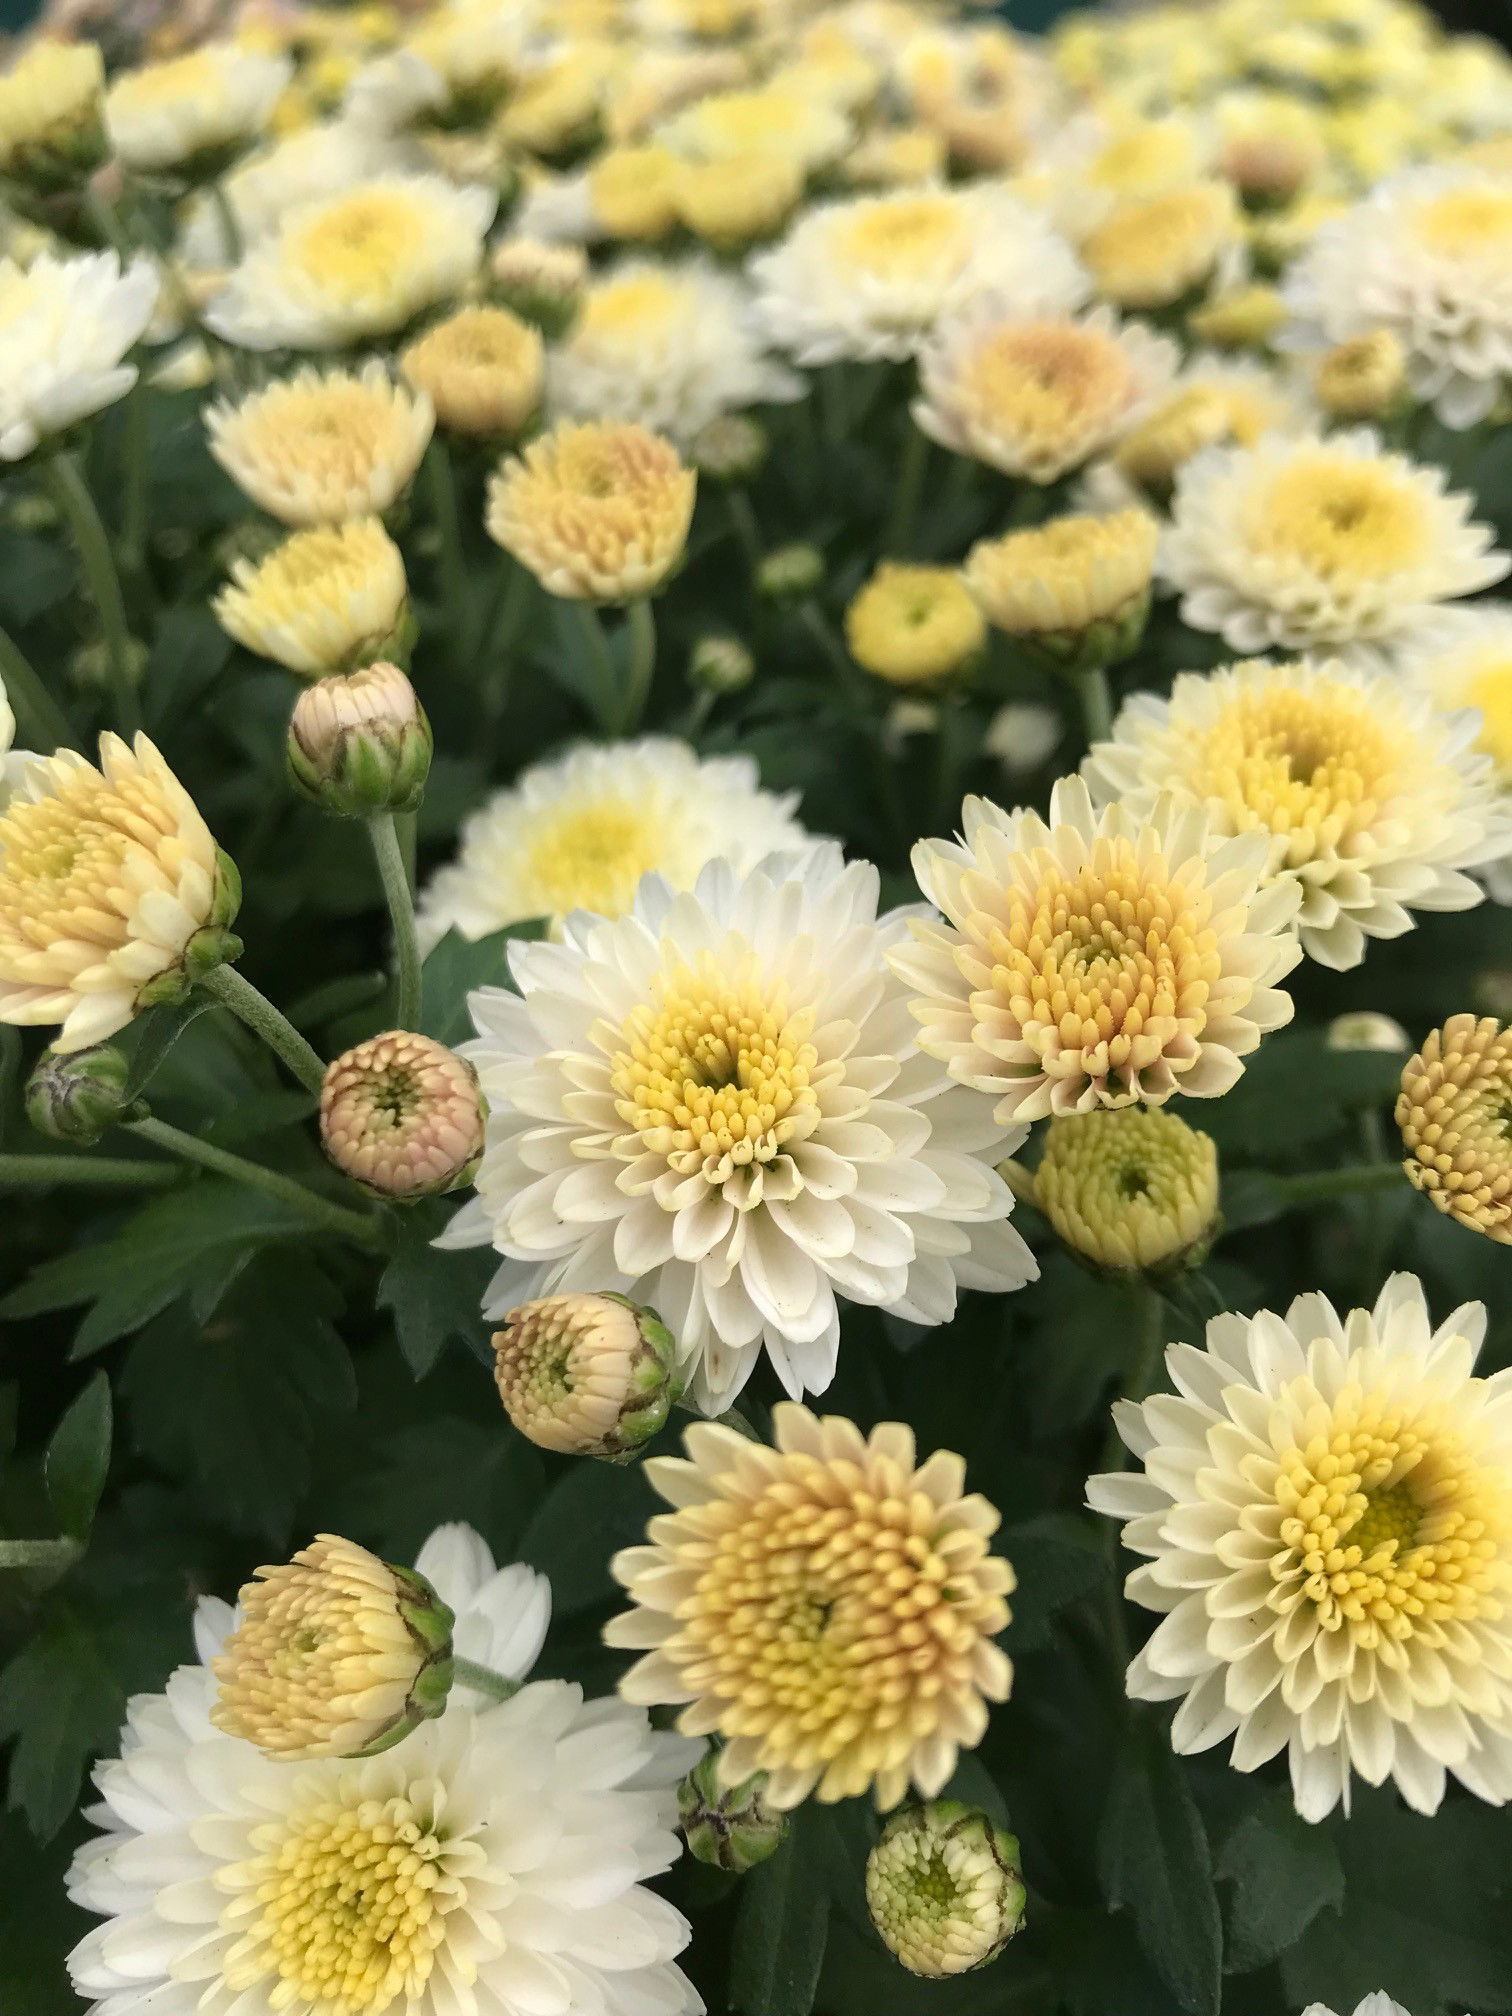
(747,531)
(814,621)
(58,1554)
(441,481)
(1320,1186)
(1096,703)
(354,1225)
(601,660)
(230,226)
(68,490)
(401,908)
(107,1172)
(134,481)
(106,219)
(264,1020)
(907,491)
(641,622)
(483,1680)
(47,726)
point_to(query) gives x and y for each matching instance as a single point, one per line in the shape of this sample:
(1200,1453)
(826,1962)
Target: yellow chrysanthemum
(1245,318)
(1452,1112)
(319,448)
(737,200)
(1062,580)
(633,191)
(51,101)
(1149,253)
(482,369)
(557,108)
(327,600)
(914,626)
(1133,1192)
(597,513)
(766,120)
(1466,662)
(828,1606)
(1363,378)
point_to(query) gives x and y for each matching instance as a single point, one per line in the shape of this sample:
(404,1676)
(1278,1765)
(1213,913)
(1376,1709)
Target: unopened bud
(1133,1191)
(77,1097)
(359,743)
(944,1888)
(338,1654)
(1245,318)
(1363,379)
(1368,1029)
(728,1826)
(790,573)
(403,1116)
(720,665)
(586,1375)
(542,283)
(730,448)
(1073,593)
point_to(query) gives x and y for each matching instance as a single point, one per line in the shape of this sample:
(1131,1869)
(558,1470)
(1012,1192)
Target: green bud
(730,448)
(720,665)
(790,573)
(728,1826)
(359,743)
(944,1889)
(79,1096)
(1101,644)
(214,944)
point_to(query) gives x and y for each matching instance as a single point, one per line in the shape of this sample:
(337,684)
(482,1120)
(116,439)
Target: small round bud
(728,1826)
(790,573)
(338,1654)
(944,1889)
(1245,318)
(542,283)
(1363,379)
(359,743)
(915,626)
(1074,593)
(730,448)
(402,1115)
(1133,1191)
(1366,1029)
(77,1097)
(1023,735)
(586,1375)
(1452,1108)
(720,665)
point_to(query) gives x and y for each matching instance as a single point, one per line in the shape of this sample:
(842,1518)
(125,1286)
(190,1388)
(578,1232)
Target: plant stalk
(264,1020)
(483,1680)
(62,479)
(354,1225)
(105,1172)
(47,726)
(387,851)
(641,622)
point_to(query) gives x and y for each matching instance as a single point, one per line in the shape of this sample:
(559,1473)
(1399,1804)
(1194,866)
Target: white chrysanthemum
(769,119)
(65,327)
(1372,802)
(1379,2004)
(670,346)
(1095,961)
(219,96)
(264,188)
(1464,659)
(715,1104)
(13,762)
(870,276)
(358,264)
(1293,544)
(498,1854)
(321,447)
(1426,256)
(580,832)
(1325,1508)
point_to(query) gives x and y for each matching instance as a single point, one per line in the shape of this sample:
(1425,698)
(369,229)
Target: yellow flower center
(1043,378)
(184,80)
(1346,521)
(1151,250)
(1490,689)
(1144,158)
(905,238)
(646,303)
(592,858)
(352,246)
(61,860)
(716,1074)
(1466,223)
(351,1905)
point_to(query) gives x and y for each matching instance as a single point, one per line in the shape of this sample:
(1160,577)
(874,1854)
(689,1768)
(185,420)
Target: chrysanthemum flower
(944,1889)
(113,895)
(326,600)
(1326,1517)
(1133,1191)
(580,832)
(738,201)
(1452,1113)
(1239,318)
(827,1606)
(322,447)
(597,513)
(870,276)
(1369,801)
(278,178)
(1072,588)
(51,100)
(630,191)
(199,109)
(1464,660)
(1149,252)
(586,1375)
(341,269)
(666,346)
(1096,162)
(1320,541)
(1094,961)
(483,370)
(1038,396)
(914,626)
(401,1115)
(1212,401)
(1427,256)
(540,283)
(379,1884)
(65,328)
(764,120)
(1362,378)
(712,1105)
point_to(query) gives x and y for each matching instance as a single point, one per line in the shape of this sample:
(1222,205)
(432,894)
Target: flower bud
(720,665)
(1366,1029)
(1452,1108)
(790,573)
(1363,379)
(728,1826)
(337,1654)
(944,1889)
(542,283)
(1133,1191)
(78,1096)
(1022,735)
(1073,593)
(359,743)
(586,1375)
(402,1115)
(915,626)
(1246,318)
(730,448)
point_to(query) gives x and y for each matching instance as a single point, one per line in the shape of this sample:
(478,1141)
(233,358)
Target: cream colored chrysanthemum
(1133,1192)
(585,1374)
(737,201)
(766,120)
(1452,1112)
(1057,582)
(827,1606)
(401,1115)
(1212,401)
(336,1655)
(1369,801)
(322,447)
(326,600)
(1151,252)
(1326,1512)
(205,106)
(66,327)
(1329,541)
(1464,660)
(899,157)
(113,895)
(914,626)
(1092,961)
(1038,396)
(51,101)
(597,513)
(1100,160)
(341,269)
(483,370)
(1271,146)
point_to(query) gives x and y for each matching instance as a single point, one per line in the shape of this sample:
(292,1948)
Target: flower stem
(483,1680)
(747,531)
(106,219)
(264,1020)
(354,1225)
(1318,1186)
(107,1172)
(907,491)
(47,726)
(68,490)
(227,219)
(135,474)
(401,908)
(642,626)
(441,480)
(58,1554)
(1096,703)
(601,659)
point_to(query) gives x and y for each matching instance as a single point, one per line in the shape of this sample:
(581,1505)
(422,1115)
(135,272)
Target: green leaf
(1086,1329)
(782,1923)
(1058,1558)
(434,1294)
(1252,1197)
(447,1468)
(159,1030)
(1154,1861)
(1295,1090)
(78,1458)
(590,1512)
(35,574)
(454,967)
(1284,1872)
(38,1925)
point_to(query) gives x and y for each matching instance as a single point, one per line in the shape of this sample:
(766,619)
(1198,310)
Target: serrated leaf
(1284,1872)
(590,1512)
(78,1458)
(1155,1864)
(1295,1090)
(159,1030)
(433,1293)
(454,967)
(443,1469)
(1058,1558)
(782,1923)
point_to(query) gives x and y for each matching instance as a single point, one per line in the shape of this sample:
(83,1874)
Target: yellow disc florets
(1455,1115)
(914,626)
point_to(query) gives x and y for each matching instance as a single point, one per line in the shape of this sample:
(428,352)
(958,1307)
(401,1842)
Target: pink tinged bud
(586,1375)
(403,1116)
(359,743)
